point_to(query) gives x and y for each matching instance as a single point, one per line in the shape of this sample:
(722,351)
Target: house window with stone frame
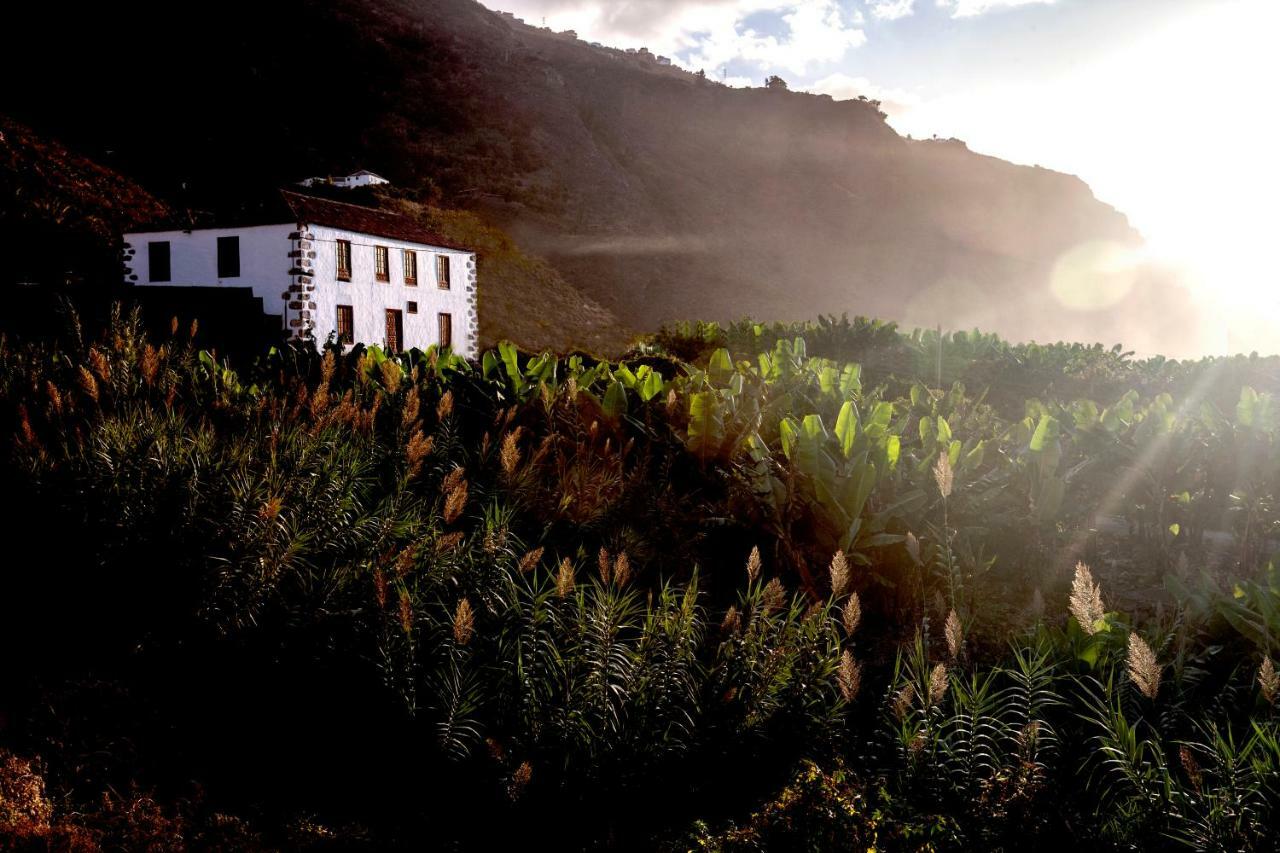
(381,263)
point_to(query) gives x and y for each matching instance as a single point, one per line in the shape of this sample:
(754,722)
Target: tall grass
(736,604)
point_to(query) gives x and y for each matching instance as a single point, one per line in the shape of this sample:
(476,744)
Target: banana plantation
(824,586)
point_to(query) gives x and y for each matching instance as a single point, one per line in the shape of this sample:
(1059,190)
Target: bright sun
(1178,130)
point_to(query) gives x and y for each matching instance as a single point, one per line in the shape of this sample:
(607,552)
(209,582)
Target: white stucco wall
(360,181)
(371,298)
(193,260)
(307,298)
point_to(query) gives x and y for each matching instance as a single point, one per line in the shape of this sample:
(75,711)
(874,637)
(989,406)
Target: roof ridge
(344,203)
(318,210)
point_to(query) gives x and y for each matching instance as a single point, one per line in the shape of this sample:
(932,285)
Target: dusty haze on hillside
(658,195)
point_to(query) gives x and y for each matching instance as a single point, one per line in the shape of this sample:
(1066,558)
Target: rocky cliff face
(657,194)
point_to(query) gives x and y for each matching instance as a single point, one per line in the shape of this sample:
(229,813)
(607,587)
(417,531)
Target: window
(346,325)
(442,271)
(228,257)
(158,261)
(381,263)
(446,331)
(395,330)
(411,308)
(410,266)
(344,260)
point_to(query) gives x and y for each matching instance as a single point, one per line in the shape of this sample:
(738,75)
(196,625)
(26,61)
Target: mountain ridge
(657,194)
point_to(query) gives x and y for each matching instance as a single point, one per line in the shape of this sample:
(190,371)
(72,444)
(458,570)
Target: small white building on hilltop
(362,178)
(327,268)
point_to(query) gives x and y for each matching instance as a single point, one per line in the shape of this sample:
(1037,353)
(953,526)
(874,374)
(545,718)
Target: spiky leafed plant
(1228,796)
(1128,768)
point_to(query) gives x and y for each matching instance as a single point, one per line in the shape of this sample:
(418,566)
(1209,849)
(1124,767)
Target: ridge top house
(360,178)
(325,268)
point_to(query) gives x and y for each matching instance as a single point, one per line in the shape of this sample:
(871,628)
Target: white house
(362,178)
(326,268)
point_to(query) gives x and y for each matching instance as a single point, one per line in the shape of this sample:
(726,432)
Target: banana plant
(842,469)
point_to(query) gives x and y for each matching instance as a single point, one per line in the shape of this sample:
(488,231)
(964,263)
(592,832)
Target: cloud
(843,87)
(971,8)
(890,10)
(776,35)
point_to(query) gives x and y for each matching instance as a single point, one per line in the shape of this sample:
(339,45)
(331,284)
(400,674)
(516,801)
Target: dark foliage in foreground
(356,601)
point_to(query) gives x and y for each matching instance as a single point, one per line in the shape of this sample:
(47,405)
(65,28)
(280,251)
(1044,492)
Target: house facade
(362,178)
(328,269)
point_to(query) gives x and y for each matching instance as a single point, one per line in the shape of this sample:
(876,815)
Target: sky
(1167,108)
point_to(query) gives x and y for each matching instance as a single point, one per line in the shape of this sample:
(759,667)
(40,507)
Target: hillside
(62,216)
(60,211)
(524,298)
(658,194)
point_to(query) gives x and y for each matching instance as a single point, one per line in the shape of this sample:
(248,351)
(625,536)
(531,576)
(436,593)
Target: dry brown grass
(530,560)
(1144,669)
(622,569)
(455,503)
(464,623)
(1268,681)
(25,808)
(444,408)
(406,612)
(849,676)
(954,633)
(943,475)
(88,384)
(852,616)
(510,454)
(1085,601)
(774,595)
(902,701)
(731,623)
(520,780)
(753,565)
(839,571)
(605,563)
(564,578)
(937,683)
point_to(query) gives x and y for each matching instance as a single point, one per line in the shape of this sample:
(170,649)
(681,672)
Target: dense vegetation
(750,588)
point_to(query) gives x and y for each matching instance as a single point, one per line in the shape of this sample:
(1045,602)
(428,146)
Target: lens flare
(1095,275)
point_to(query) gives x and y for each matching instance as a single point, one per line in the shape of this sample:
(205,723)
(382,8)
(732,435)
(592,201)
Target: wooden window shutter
(346,325)
(446,330)
(344,260)
(410,266)
(442,271)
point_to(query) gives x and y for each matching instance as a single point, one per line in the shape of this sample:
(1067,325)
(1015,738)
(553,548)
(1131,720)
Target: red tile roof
(364,220)
(286,206)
